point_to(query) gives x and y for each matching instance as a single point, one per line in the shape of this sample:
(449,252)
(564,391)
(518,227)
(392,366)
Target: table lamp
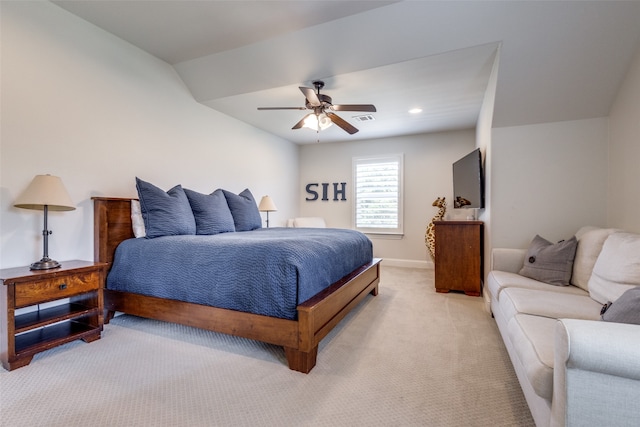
(45,193)
(267,205)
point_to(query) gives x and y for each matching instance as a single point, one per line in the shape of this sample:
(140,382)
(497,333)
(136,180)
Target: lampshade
(317,122)
(267,205)
(45,190)
(45,193)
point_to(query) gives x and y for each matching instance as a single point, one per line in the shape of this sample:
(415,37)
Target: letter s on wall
(312,192)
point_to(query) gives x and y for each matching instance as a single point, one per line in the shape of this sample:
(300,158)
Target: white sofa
(574,369)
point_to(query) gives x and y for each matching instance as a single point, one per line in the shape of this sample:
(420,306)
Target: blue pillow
(165,213)
(244,209)
(211,212)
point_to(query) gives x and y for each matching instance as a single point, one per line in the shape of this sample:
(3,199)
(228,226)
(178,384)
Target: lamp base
(45,264)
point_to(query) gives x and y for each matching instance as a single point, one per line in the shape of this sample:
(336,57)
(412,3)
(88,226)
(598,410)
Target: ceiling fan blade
(355,107)
(311,95)
(339,121)
(301,122)
(282,108)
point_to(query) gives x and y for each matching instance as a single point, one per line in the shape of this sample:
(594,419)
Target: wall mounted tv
(468,182)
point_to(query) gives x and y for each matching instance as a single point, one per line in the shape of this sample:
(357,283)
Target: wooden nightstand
(37,330)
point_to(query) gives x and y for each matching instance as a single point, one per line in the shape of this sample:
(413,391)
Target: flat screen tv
(468,185)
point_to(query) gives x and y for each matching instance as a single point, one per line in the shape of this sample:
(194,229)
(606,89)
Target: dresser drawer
(40,291)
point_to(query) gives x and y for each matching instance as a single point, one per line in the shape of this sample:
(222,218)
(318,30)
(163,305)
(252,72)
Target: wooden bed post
(301,361)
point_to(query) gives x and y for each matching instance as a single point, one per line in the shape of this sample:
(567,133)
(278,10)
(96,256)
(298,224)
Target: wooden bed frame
(316,317)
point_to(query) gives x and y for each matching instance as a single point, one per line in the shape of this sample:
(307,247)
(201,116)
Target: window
(378,194)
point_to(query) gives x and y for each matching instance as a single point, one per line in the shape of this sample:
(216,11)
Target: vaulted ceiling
(559,60)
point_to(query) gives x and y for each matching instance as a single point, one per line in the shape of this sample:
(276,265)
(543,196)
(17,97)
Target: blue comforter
(268,271)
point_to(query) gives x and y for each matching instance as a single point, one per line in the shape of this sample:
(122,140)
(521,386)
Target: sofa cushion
(625,309)
(590,242)
(532,339)
(617,268)
(498,280)
(548,262)
(548,304)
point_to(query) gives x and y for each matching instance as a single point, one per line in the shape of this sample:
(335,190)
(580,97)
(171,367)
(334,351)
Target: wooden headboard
(111,225)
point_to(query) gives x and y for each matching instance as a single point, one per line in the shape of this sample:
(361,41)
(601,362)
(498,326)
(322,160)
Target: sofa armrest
(596,374)
(507,259)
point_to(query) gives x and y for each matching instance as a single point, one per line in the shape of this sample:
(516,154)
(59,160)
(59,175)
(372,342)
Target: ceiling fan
(323,114)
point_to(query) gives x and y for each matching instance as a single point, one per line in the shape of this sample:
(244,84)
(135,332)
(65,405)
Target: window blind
(378,194)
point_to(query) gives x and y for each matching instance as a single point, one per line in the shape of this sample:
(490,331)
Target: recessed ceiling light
(415,110)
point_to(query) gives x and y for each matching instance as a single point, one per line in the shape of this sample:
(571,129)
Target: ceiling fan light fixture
(317,122)
(323,111)
(324,121)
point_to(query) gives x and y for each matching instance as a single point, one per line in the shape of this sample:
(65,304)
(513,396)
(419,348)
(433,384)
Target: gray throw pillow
(625,309)
(550,263)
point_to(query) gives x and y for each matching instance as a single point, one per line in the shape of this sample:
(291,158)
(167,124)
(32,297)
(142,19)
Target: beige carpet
(408,357)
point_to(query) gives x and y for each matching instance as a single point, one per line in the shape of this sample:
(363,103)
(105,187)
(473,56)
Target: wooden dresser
(459,259)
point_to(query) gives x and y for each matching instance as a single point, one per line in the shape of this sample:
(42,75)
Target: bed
(299,335)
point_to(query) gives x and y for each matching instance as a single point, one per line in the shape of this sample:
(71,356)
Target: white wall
(624,153)
(428,163)
(548,179)
(483,141)
(82,104)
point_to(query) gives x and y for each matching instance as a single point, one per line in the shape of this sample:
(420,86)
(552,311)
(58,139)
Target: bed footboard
(320,314)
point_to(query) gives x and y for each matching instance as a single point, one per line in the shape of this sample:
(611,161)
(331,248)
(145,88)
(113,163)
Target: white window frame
(391,231)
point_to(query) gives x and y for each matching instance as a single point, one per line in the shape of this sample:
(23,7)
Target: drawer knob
(62,286)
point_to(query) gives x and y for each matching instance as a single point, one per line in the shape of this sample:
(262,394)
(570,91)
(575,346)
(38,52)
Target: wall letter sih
(339,191)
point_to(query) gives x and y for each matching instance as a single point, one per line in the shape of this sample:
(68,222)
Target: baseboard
(407,263)
(486,296)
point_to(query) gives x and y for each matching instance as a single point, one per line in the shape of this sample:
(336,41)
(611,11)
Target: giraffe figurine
(430,234)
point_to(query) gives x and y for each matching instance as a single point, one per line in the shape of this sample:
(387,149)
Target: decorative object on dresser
(38,329)
(299,332)
(430,235)
(45,193)
(267,205)
(459,262)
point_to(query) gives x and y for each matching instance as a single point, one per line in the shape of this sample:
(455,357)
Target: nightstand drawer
(51,289)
